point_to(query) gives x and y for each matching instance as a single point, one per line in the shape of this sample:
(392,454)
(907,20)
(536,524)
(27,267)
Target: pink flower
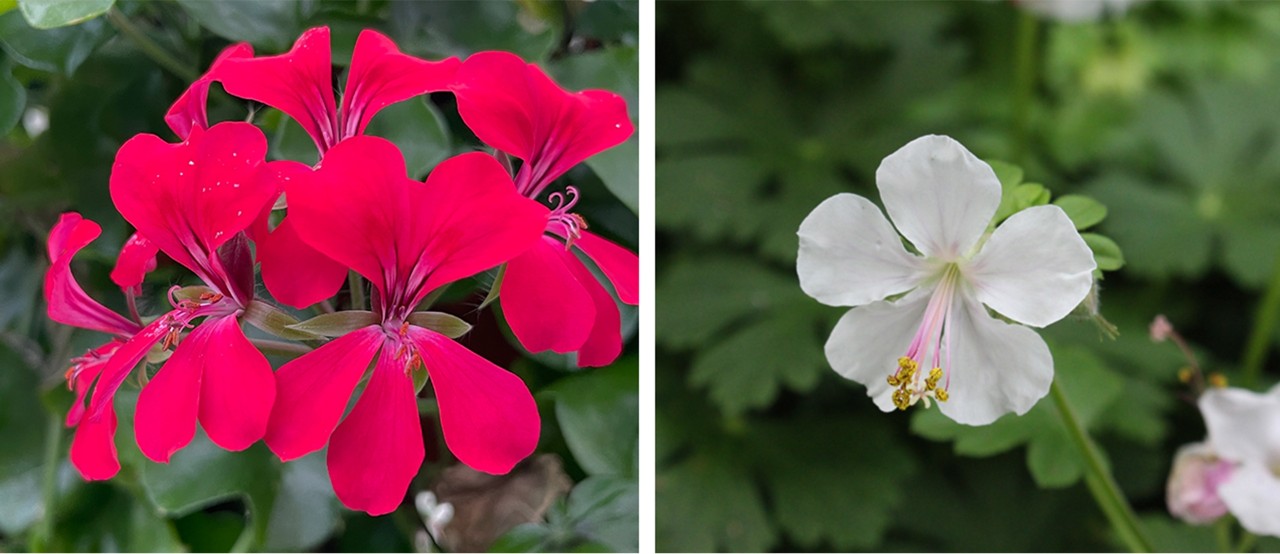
(550,299)
(408,239)
(190,200)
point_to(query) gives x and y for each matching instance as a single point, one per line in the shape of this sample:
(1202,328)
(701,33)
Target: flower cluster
(214,204)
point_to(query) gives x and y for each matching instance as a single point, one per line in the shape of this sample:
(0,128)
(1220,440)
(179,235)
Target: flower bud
(1192,493)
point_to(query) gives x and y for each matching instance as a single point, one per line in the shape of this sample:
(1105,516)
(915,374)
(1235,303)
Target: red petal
(298,82)
(489,419)
(238,387)
(93,450)
(605,342)
(545,305)
(67,303)
(312,392)
(165,420)
(381,75)
(83,374)
(191,108)
(620,265)
(516,108)
(377,450)
(137,258)
(294,272)
(126,358)
(190,198)
(361,210)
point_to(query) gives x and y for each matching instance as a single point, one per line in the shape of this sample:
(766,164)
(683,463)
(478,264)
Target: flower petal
(605,342)
(996,367)
(939,195)
(1035,268)
(93,449)
(1243,426)
(516,108)
(543,301)
(312,392)
(238,387)
(376,451)
(850,255)
(298,82)
(381,75)
(620,265)
(137,258)
(191,109)
(294,272)
(1253,496)
(868,340)
(192,197)
(489,419)
(66,302)
(126,358)
(165,420)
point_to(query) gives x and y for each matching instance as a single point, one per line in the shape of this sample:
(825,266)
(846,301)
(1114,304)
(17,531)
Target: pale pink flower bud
(1192,493)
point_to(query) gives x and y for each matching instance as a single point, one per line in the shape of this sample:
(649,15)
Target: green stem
(1264,324)
(1246,541)
(149,47)
(49,486)
(1222,529)
(356,285)
(1103,486)
(1024,84)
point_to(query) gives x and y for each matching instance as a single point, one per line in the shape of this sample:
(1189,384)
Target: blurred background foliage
(78,78)
(1166,113)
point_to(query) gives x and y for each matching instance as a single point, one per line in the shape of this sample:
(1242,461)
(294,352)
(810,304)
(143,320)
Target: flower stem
(1103,486)
(1222,529)
(1264,325)
(1024,84)
(356,287)
(49,486)
(1246,541)
(149,47)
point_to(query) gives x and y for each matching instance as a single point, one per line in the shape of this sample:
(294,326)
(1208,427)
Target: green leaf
(275,321)
(47,14)
(1028,195)
(442,29)
(697,299)
(1105,251)
(448,325)
(707,195)
(598,414)
(1010,177)
(271,25)
(59,50)
(747,369)
(708,505)
(22,431)
(418,128)
(600,515)
(619,170)
(1178,244)
(111,519)
(495,289)
(1084,212)
(306,511)
(13,99)
(335,324)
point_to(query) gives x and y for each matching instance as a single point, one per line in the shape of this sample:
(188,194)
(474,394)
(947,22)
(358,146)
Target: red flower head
(190,200)
(407,238)
(550,299)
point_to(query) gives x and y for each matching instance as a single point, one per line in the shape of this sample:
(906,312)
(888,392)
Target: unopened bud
(1161,329)
(1192,492)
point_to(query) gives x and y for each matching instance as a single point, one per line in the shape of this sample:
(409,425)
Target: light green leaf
(448,325)
(1084,212)
(47,14)
(598,414)
(1010,177)
(59,50)
(1105,251)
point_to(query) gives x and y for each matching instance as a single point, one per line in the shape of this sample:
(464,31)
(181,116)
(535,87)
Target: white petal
(1253,496)
(850,254)
(996,367)
(1035,268)
(939,195)
(866,343)
(1243,426)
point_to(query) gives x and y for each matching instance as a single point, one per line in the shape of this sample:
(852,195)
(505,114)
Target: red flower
(407,238)
(190,200)
(550,299)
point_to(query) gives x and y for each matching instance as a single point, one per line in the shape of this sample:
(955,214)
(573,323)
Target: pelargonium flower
(190,200)
(937,341)
(408,238)
(550,299)
(300,84)
(1244,429)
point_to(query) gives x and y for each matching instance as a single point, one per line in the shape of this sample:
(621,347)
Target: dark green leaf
(747,369)
(598,414)
(55,50)
(708,505)
(698,298)
(417,127)
(13,99)
(271,25)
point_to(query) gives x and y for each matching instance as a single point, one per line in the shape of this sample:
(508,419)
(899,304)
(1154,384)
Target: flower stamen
(912,384)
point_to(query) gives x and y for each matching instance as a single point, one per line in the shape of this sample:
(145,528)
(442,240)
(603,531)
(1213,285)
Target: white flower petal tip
(850,255)
(939,195)
(1252,494)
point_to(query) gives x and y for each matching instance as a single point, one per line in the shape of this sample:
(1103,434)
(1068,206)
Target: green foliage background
(1167,114)
(96,69)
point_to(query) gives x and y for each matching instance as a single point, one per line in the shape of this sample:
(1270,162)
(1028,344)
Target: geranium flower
(1192,491)
(550,299)
(190,200)
(407,238)
(938,341)
(300,84)
(1244,430)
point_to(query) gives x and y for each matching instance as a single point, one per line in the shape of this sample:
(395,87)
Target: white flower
(938,340)
(1192,492)
(1244,428)
(435,514)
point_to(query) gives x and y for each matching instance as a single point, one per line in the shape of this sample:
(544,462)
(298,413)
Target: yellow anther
(941,394)
(1184,375)
(893,381)
(935,373)
(1217,380)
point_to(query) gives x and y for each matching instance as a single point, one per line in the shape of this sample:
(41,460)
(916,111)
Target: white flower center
(926,349)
